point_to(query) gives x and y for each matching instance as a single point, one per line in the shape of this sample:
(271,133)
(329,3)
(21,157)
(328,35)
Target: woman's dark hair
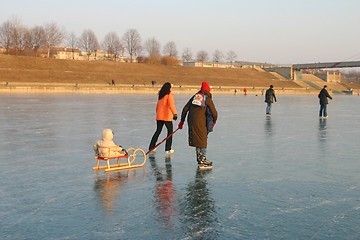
(165,90)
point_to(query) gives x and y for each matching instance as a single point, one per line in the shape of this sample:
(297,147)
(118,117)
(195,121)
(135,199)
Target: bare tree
(351,76)
(170,49)
(15,37)
(37,38)
(231,56)
(132,42)
(202,56)
(217,56)
(112,44)
(187,55)
(24,39)
(53,36)
(88,42)
(152,47)
(72,42)
(15,34)
(6,30)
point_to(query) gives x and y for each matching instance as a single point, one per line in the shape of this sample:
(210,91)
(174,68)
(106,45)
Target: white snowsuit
(106,146)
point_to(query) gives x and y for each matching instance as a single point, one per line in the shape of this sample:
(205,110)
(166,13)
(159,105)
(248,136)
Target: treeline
(351,76)
(19,39)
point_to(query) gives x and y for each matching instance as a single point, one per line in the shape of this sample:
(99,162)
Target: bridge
(326,65)
(298,67)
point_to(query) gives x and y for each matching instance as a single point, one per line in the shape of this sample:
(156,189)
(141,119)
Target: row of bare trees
(16,38)
(351,76)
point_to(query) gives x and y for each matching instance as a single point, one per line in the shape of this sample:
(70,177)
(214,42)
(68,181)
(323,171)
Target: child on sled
(106,146)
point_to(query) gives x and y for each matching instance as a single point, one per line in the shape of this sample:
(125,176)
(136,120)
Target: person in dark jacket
(323,96)
(269,99)
(197,121)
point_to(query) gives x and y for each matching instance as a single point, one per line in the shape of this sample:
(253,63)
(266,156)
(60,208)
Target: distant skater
(201,119)
(165,113)
(323,96)
(269,99)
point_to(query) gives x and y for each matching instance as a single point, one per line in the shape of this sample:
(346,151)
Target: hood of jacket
(107,134)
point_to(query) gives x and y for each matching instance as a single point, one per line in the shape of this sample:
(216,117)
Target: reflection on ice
(268,126)
(164,192)
(322,129)
(108,187)
(198,208)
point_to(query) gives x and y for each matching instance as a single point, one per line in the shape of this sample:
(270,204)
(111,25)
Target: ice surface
(290,176)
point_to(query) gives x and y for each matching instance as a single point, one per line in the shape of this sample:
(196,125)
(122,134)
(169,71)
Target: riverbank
(19,74)
(32,74)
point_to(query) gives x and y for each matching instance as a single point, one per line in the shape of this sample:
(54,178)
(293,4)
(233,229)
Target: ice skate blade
(205,166)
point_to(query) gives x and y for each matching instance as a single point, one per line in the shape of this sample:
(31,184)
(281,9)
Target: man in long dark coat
(198,122)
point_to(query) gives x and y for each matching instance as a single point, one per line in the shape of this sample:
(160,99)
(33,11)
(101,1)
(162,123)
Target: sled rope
(161,142)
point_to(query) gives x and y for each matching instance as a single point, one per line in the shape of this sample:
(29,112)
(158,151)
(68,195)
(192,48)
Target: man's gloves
(175,117)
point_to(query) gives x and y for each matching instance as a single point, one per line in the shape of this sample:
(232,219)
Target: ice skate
(202,164)
(169,152)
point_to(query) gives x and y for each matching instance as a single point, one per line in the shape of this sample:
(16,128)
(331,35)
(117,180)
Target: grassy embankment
(19,73)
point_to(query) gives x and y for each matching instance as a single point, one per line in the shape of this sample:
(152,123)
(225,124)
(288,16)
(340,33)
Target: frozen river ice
(291,176)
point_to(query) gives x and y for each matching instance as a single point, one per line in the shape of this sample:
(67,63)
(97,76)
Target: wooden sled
(129,158)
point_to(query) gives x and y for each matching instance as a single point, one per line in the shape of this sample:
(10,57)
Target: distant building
(99,55)
(236,64)
(245,64)
(208,64)
(69,53)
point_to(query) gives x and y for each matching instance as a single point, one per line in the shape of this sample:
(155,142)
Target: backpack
(209,120)
(199,101)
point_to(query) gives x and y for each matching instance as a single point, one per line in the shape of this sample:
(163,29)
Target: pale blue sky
(274,31)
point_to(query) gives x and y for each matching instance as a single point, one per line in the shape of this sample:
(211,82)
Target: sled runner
(128,160)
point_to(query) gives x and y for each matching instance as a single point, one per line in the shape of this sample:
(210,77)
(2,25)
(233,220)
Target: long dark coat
(323,96)
(197,120)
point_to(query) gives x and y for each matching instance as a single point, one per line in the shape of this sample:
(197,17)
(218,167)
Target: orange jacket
(165,108)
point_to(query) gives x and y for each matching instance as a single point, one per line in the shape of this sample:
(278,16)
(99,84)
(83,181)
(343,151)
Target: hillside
(41,70)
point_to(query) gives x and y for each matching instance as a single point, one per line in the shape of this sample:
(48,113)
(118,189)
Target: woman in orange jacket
(165,113)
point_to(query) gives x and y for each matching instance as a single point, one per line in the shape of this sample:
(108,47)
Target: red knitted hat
(205,86)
